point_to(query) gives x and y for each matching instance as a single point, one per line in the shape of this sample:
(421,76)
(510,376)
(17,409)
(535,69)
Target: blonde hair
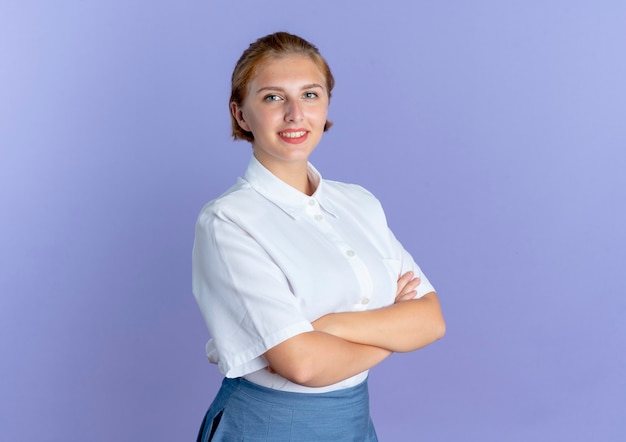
(278,44)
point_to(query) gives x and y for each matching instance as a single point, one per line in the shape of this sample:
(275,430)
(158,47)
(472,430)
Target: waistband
(346,396)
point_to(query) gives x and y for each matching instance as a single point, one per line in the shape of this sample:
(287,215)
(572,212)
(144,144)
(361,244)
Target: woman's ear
(237,112)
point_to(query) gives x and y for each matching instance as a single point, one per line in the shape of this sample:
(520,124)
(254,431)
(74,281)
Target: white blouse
(268,260)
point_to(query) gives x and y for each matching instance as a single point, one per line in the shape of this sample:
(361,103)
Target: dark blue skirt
(244,411)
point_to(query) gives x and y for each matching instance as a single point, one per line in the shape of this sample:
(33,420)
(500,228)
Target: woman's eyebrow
(312,86)
(281,89)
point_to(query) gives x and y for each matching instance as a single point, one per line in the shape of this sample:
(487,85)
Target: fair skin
(285,109)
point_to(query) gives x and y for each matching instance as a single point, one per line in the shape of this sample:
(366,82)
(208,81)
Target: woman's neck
(296,177)
(295,174)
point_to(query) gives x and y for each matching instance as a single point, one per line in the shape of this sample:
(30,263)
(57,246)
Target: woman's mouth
(294,136)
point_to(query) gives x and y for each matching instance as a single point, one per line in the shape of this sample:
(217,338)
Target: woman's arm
(318,359)
(345,344)
(407,325)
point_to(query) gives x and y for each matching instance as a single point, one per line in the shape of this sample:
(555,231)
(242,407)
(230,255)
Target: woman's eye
(272,97)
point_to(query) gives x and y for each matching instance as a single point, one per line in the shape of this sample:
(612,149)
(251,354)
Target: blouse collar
(289,199)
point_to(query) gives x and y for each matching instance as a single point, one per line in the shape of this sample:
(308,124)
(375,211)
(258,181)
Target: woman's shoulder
(236,199)
(350,191)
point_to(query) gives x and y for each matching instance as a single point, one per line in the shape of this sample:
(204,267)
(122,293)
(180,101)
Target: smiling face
(285,108)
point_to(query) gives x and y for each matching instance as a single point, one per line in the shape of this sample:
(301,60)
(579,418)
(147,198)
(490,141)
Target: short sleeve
(244,296)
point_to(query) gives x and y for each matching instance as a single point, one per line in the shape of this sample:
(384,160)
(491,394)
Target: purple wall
(493,133)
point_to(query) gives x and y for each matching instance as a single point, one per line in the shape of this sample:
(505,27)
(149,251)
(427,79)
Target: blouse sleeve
(244,296)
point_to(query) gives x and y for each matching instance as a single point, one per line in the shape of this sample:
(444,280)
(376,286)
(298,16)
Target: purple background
(493,132)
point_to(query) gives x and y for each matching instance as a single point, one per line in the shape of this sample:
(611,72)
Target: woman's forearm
(345,344)
(401,327)
(318,359)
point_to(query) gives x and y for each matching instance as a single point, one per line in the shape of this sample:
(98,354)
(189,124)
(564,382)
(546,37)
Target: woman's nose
(294,112)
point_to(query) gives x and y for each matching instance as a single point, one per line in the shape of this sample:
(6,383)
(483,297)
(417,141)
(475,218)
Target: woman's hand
(407,285)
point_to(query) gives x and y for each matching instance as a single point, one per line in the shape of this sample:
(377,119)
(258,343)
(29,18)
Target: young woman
(302,285)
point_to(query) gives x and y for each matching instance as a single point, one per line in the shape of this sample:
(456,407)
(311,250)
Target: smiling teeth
(293,134)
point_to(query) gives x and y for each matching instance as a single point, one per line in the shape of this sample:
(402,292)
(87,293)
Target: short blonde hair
(278,44)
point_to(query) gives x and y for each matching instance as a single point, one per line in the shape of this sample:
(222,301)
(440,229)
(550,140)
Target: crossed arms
(345,344)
